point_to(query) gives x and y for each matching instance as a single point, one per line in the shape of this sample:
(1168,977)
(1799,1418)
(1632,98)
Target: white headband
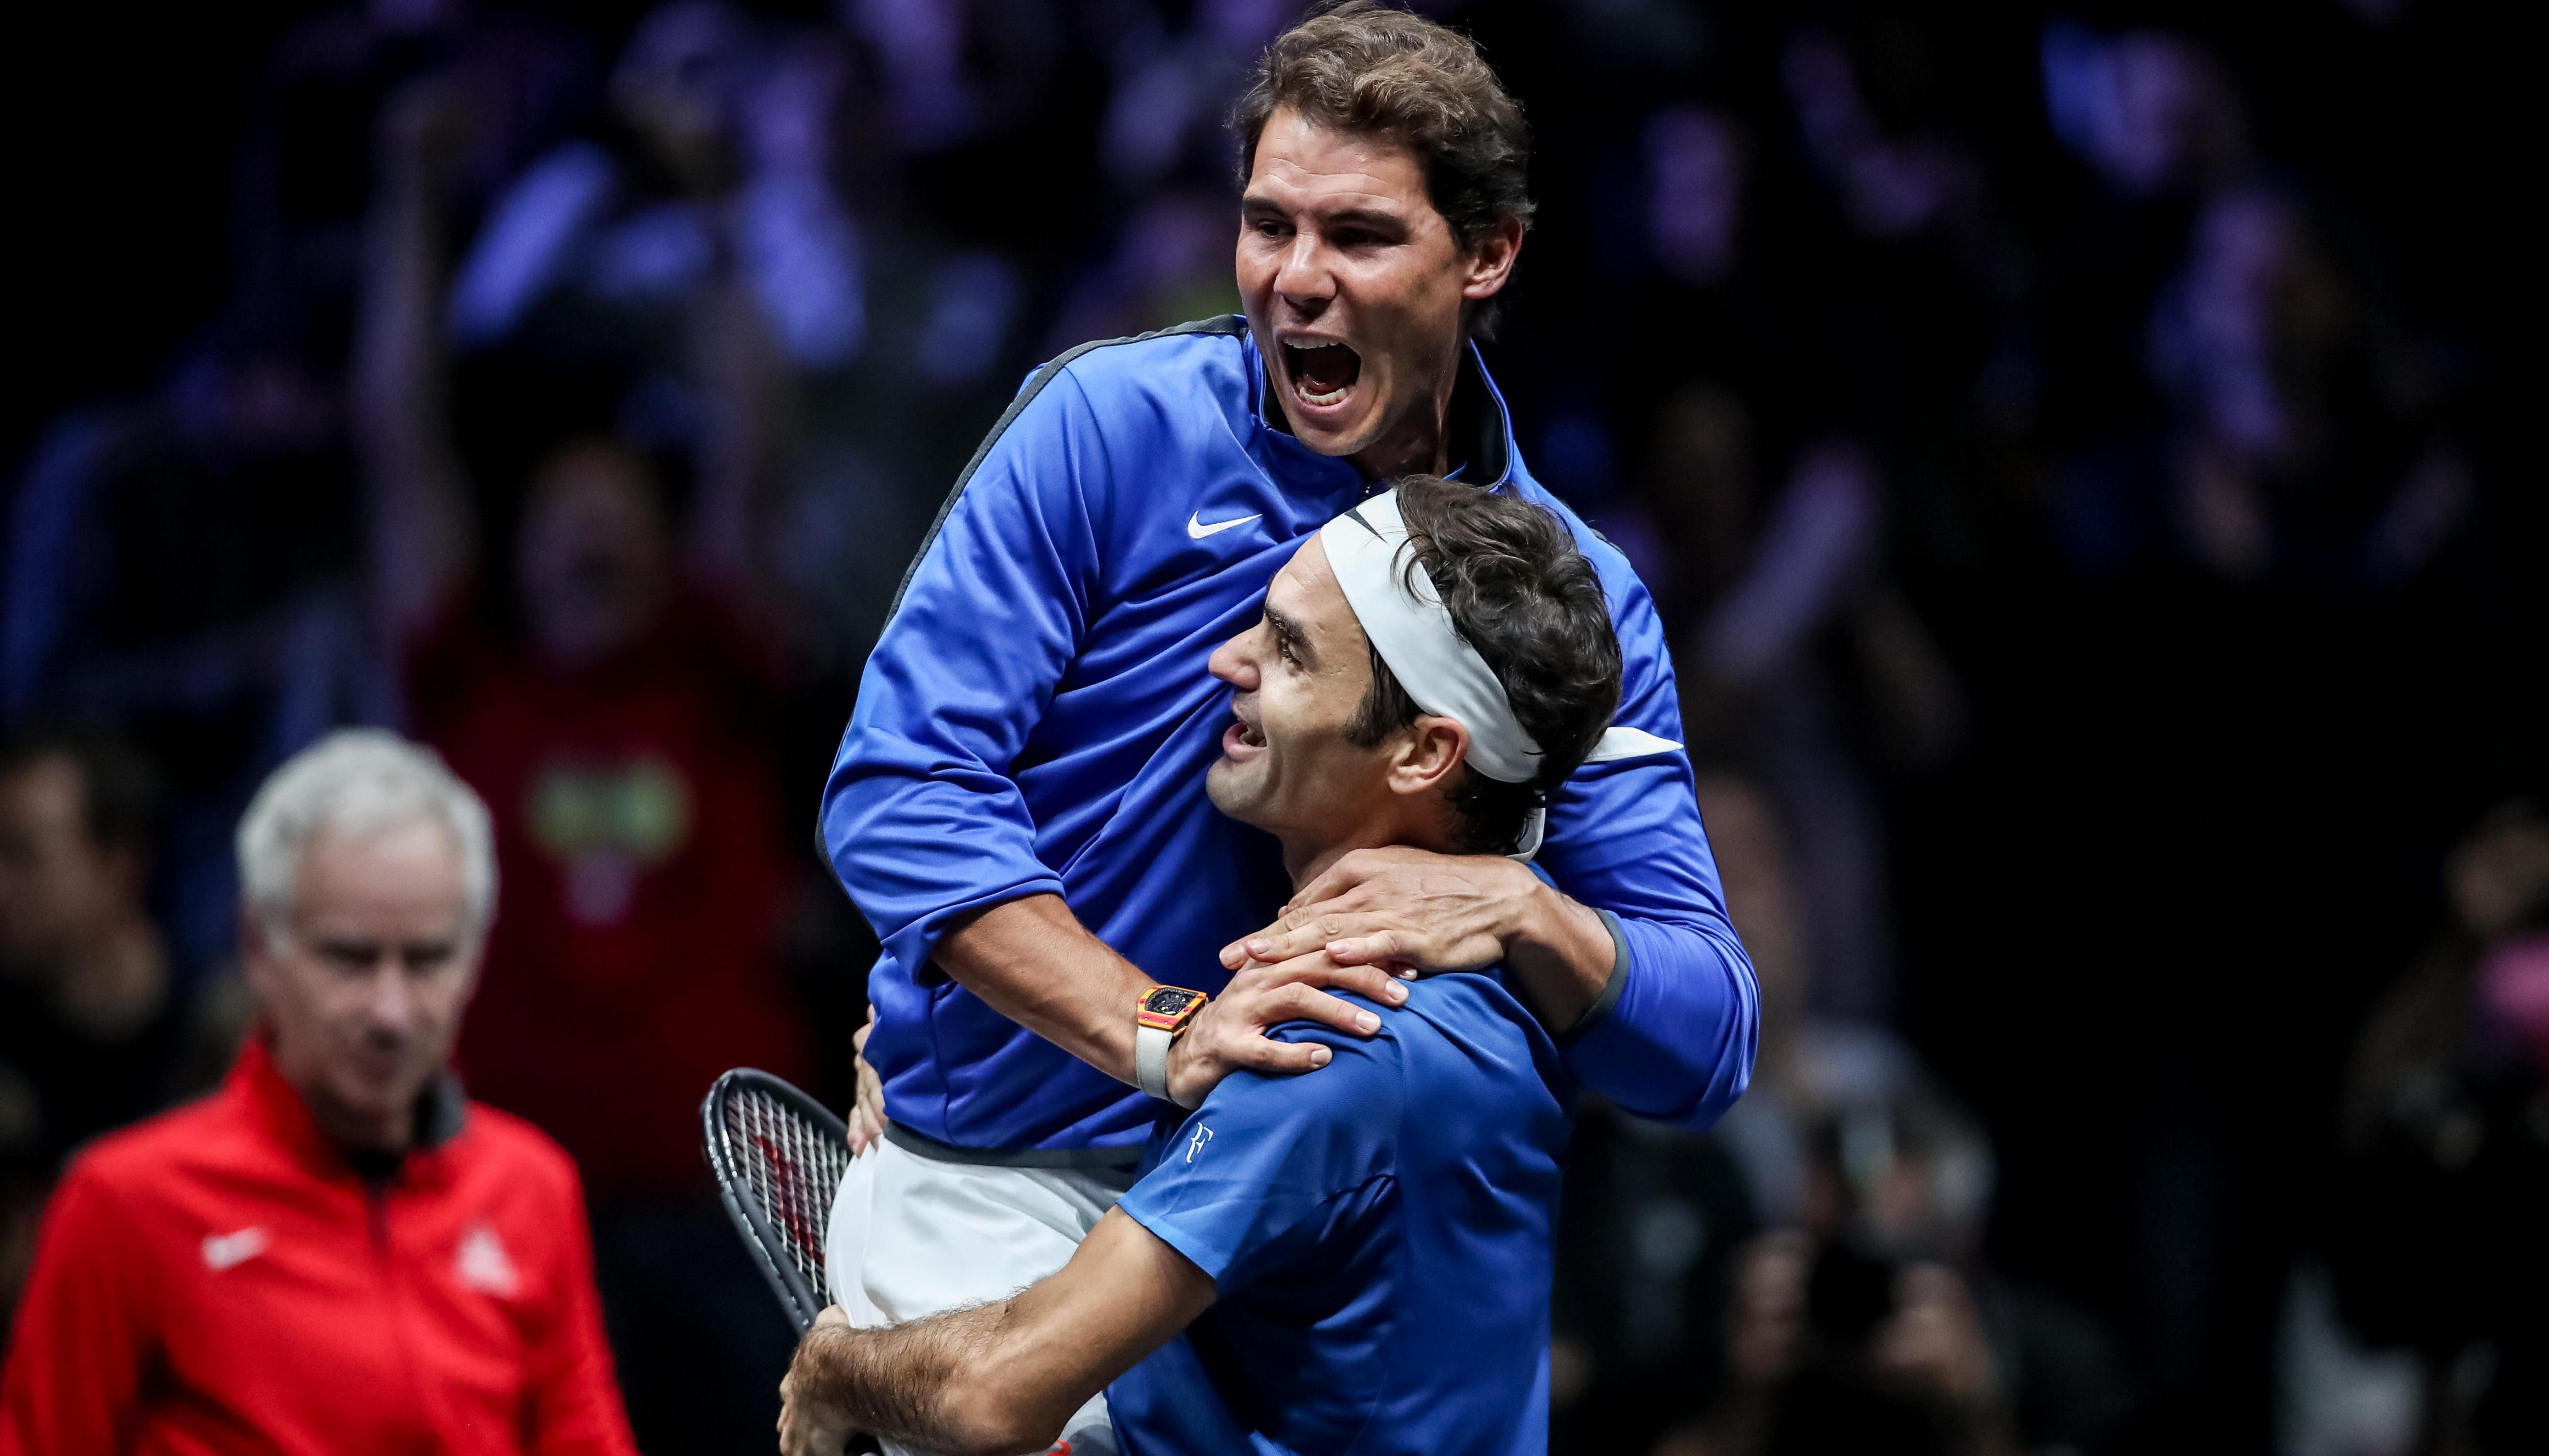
(1411,629)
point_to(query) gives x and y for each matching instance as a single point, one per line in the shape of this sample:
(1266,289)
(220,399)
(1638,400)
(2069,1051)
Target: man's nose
(390,1003)
(1232,663)
(1303,278)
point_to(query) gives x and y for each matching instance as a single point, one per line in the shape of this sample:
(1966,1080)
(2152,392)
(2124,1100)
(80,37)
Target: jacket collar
(442,1111)
(1479,425)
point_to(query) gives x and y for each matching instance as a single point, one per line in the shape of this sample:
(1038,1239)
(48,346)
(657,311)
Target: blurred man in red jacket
(337,1253)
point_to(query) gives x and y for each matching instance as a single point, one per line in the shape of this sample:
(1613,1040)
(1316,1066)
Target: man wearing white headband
(1363,1256)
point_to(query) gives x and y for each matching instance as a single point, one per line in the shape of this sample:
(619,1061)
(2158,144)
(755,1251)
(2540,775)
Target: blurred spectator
(304,178)
(86,998)
(2434,1226)
(87,1007)
(2302,437)
(2305,444)
(718,159)
(602,680)
(184,568)
(1695,194)
(2152,111)
(338,1251)
(1869,1317)
(1872,1320)
(1807,663)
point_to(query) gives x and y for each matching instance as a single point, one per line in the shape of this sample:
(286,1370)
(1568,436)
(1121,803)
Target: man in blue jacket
(1356,1261)
(1018,805)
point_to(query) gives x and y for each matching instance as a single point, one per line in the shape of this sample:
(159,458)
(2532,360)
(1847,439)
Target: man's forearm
(908,1383)
(1561,954)
(996,1378)
(1033,961)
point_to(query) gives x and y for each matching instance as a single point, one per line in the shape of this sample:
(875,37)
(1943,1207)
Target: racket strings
(792,1169)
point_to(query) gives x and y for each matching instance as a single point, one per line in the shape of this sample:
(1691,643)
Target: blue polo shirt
(1379,1238)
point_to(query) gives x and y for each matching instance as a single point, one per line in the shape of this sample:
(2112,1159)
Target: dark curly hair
(1521,595)
(1363,66)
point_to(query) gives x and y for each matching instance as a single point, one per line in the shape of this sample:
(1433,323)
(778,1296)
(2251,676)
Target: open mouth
(1322,374)
(1242,739)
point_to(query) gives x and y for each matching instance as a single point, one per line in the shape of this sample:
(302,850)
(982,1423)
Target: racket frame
(726,1163)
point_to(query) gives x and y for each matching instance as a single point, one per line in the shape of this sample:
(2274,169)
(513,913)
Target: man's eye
(1268,227)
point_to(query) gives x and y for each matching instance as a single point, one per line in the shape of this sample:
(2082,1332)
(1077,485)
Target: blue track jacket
(1037,718)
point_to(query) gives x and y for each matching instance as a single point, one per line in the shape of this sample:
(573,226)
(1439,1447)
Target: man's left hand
(809,1425)
(1416,912)
(1410,910)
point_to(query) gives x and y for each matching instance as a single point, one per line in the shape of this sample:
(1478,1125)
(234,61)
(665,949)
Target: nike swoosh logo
(230,1250)
(1197,531)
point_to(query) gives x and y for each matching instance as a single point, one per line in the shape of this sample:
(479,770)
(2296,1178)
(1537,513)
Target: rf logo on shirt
(1195,1144)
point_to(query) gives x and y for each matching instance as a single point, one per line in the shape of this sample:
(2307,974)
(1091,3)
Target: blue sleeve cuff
(1677,1045)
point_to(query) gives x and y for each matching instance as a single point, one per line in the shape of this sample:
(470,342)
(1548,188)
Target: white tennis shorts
(912,1235)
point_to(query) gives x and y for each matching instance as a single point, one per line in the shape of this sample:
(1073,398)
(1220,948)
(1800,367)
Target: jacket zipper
(376,1203)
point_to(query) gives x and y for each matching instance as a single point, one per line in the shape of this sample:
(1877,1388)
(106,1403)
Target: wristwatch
(1158,1018)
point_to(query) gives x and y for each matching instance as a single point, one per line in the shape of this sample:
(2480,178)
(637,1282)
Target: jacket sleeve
(85,1331)
(575,1404)
(1674,1037)
(920,818)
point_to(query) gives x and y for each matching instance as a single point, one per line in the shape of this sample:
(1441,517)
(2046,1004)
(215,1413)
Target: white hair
(360,782)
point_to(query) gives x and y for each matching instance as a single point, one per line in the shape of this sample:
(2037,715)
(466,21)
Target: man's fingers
(1321,968)
(1333,882)
(1305,922)
(1310,935)
(1284,1059)
(1241,950)
(1350,937)
(1380,948)
(1298,1002)
(866,1117)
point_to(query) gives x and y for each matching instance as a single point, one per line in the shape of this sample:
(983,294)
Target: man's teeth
(1335,364)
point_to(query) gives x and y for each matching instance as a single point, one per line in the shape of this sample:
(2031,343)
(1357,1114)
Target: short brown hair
(1363,66)
(1521,593)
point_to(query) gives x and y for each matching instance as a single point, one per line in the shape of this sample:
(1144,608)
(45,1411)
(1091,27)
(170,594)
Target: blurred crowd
(2069,447)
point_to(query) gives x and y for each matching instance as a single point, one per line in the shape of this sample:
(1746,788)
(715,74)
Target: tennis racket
(778,1156)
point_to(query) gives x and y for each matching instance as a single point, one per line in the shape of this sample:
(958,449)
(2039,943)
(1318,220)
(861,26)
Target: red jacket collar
(278,1108)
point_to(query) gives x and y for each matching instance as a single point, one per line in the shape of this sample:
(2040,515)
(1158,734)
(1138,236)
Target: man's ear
(1429,750)
(1491,263)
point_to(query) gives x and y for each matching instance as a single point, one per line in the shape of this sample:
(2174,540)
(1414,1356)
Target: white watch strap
(1150,1061)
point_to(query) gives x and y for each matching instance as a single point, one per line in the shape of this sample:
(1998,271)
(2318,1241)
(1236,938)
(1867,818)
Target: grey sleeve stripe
(1595,1013)
(1227,324)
